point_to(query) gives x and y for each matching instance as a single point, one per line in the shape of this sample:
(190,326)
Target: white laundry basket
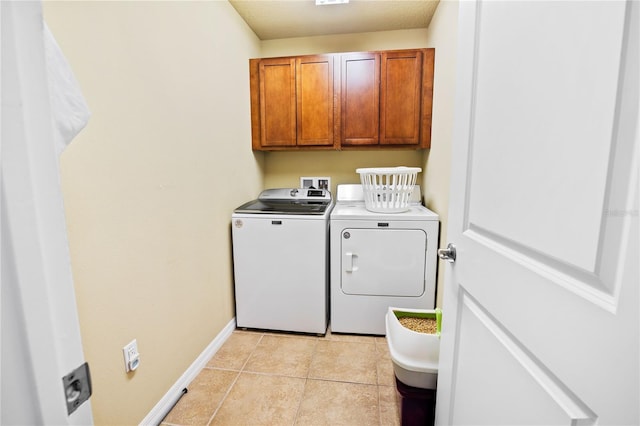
(388,189)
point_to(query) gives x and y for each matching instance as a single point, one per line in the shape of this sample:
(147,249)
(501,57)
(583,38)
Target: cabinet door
(400,97)
(428,59)
(360,98)
(314,83)
(277,102)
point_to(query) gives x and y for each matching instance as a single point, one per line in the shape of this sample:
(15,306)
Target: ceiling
(274,19)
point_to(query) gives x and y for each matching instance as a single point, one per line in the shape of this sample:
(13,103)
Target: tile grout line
(377,352)
(306,380)
(234,381)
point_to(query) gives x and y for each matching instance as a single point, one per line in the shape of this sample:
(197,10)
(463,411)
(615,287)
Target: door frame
(35,237)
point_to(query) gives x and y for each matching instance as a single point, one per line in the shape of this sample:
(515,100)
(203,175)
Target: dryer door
(383,262)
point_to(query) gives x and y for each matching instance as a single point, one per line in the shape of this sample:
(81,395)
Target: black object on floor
(418,406)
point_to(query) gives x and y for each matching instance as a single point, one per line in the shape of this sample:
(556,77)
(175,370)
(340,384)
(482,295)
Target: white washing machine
(281,262)
(379,260)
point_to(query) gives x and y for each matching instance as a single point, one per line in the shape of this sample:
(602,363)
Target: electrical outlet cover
(130,353)
(317,182)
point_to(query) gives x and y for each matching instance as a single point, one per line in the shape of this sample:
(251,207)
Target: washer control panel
(283,194)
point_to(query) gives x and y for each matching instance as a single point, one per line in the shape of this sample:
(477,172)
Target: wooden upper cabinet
(400,97)
(428,61)
(314,94)
(360,98)
(277,102)
(292,102)
(386,98)
(351,100)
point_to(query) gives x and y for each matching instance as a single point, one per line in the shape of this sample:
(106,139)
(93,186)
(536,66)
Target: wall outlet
(131,356)
(315,182)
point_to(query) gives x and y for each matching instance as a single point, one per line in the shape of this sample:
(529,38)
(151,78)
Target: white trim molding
(174,393)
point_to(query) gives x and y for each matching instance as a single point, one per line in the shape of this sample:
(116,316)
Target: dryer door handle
(350,262)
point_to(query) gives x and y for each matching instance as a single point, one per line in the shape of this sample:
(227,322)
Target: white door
(39,334)
(540,315)
(383,262)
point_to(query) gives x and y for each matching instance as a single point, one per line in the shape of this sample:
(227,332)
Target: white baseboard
(163,406)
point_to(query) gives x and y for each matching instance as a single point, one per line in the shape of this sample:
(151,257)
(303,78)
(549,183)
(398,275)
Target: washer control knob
(294,192)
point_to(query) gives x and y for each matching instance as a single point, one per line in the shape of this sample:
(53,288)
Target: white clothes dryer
(379,260)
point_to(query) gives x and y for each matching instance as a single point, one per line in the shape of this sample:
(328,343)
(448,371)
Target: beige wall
(150,184)
(383,40)
(442,35)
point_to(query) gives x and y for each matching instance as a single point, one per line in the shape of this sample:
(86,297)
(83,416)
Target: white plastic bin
(415,356)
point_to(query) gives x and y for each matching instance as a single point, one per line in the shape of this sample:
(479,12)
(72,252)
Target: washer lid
(283,207)
(289,201)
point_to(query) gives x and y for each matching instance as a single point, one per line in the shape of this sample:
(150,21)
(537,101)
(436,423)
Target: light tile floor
(265,378)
